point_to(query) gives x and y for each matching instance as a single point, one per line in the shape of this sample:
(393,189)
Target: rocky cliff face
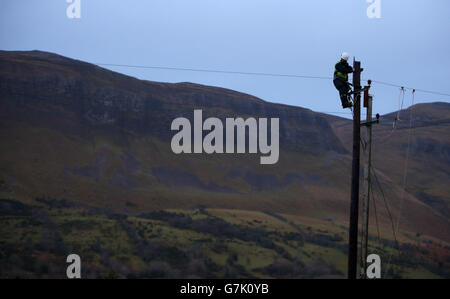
(97,97)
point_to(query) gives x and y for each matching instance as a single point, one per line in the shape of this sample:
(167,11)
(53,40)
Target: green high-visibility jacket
(342,69)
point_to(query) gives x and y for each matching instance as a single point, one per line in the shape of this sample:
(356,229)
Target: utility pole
(367,158)
(353,231)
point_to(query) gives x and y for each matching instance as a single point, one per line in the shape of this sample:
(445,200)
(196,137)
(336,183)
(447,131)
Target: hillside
(427,172)
(86,164)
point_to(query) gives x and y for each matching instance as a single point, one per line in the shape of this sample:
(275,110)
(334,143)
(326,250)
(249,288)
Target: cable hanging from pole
(396,120)
(376,213)
(400,107)
(386,205)
(396,227)
(405,167)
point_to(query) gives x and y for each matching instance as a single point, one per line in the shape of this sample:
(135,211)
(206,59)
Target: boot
(347,105)
(345,102)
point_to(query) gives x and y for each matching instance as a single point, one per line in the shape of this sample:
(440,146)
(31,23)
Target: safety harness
(338,74)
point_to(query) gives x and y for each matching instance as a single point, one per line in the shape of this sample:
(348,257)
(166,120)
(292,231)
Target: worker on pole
(340,80)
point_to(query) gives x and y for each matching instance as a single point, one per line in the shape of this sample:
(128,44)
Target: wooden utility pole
(367,153)
(353,231)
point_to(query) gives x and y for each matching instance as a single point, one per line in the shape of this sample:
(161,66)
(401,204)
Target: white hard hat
(345,56)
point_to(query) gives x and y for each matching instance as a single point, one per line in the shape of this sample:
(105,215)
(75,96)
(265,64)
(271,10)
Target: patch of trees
(327,241)
(292,236)
(10,207)
(214,226)
(25,261)
(281,218)
(54,203)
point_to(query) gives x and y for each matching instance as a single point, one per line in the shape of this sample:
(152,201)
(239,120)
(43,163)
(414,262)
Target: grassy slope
(113,245)
(105,244)
(41,167)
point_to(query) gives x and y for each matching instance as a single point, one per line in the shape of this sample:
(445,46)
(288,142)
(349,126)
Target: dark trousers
(343,88)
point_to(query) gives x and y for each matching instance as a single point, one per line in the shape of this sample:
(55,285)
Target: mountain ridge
(104,139)
(128,97)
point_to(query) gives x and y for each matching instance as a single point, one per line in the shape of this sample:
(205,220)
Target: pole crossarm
(369,123)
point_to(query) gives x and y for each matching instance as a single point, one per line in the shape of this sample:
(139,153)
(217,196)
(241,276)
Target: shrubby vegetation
(36,238)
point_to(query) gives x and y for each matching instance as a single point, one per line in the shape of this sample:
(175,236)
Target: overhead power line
(216,71)
(260,74)
(411,88)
